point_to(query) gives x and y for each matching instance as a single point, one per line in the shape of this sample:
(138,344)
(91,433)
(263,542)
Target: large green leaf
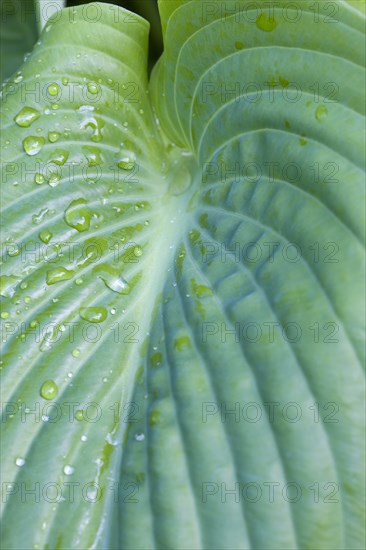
(175,254)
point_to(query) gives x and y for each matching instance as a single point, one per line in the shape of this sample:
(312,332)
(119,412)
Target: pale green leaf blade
(259,151)
(77,189)
(221,320)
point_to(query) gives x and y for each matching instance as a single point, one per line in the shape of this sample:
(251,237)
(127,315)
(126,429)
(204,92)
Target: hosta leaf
(177,253)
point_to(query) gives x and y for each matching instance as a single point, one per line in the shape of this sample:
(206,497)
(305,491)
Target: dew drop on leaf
(33,144)
(115,282)
(7,285)
(53,136)
(19,461)
(93,155)
(154,417)
(26,116)
(92,88)
(126,159)
(60,156)
(59,274)
(96,124)
(53,89)
(39,178)
(54,179)
(137,251)
(45,236)
(79,415)
(68,470)
(77,215)
(321,113)
(182,343)
(156,359)
(49,390)
(93,314)
(37,218)
(264,23)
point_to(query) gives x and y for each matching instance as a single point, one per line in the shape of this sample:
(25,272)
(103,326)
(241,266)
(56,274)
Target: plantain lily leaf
(182,283)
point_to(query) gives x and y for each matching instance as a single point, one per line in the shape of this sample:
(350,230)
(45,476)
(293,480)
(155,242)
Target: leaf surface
(177,251)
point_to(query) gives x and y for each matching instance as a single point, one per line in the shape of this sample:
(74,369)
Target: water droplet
(79,281)
(18,78)
(137,251)
(93,155)
(77,215)
(37,218)
(264,23)
(8,284)
(126,160)
(65,81)
(79,415)
(76,353)
(154,417)
(33,144)
(45,236)
(116,283)
(54,179)
(156,359)
(303,141)
(53,89)
(27,300)
(49,390)
(92,88)
(96,124)
(60,156)
(112,279)
(93,314)
(39,178)
(59,274)
(201,291)
(321,113)
(19,461)
(14,251)
(84,438)
(68,470)
(140,437)
(26,116)
(182,343)
(4,315)
(53,136)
